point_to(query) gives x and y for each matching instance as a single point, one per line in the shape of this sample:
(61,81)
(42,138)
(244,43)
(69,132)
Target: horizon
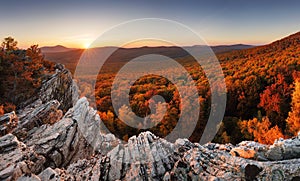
(138,46)
(86,46)
(77,24)
(145,46)
(165,45)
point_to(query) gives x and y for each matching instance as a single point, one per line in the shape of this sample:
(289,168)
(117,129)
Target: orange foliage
(1,110)
(21,71)
(257,80)
(293,120)
(261,130)
(272,98)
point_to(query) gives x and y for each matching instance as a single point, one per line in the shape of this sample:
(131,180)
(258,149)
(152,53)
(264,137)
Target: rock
(181,161)
(250,150)
(143,157)
(30,177)
(60,143)
(244,152)
(60,87)
(59,93)
(12,158)
(72,138)
(275,153)
(49,174)
(59,67)
(8,122)
(42,114)
(251,171)
(284,149)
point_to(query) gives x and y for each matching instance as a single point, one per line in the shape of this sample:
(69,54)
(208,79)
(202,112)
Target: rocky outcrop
(74,146)
(152,158)
(64,142)
(148,157)
(55,146)
(57,95)
(60,87)
(32,117)
(145,157)
(214,161)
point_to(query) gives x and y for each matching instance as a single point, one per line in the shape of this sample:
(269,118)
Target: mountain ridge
(55,49)
(71,55)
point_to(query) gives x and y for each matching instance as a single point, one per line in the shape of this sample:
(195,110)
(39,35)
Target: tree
(274,101)
(262,131)
(34,65)
(293,121)
(22,72)
(9,44)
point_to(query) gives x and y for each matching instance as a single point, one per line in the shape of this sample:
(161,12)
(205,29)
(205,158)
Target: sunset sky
(75,23)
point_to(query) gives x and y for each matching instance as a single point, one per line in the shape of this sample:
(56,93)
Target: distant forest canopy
(263,91)
(261,95)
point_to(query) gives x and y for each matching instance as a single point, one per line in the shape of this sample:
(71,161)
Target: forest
(262,95)
(263,91)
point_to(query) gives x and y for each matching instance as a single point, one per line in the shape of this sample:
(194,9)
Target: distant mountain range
(55,49)
(64,55)
(216,49)
(228,48)
(71,56)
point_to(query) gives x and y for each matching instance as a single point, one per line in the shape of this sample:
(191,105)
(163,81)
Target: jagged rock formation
(60,87)
(58,93)
(75,147)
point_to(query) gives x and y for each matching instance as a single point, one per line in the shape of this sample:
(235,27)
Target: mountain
(75,147)
(67,56)
(55,49)
(70,57)
(228,48)
(289,43)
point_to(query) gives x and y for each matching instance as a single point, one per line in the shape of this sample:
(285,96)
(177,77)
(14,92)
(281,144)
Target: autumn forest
(262,83)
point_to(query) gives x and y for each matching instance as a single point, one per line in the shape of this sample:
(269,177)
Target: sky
(75,23)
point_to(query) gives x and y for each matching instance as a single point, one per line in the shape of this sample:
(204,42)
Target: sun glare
(86,45)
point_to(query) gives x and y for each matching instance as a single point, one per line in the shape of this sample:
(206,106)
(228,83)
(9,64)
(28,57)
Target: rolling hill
(55,49)
(70,56)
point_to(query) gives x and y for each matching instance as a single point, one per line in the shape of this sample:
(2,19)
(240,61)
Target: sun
(86,45)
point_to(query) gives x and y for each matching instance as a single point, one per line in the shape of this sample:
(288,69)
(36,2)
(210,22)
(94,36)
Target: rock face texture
(73,146)
(8,122)
(60,87)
